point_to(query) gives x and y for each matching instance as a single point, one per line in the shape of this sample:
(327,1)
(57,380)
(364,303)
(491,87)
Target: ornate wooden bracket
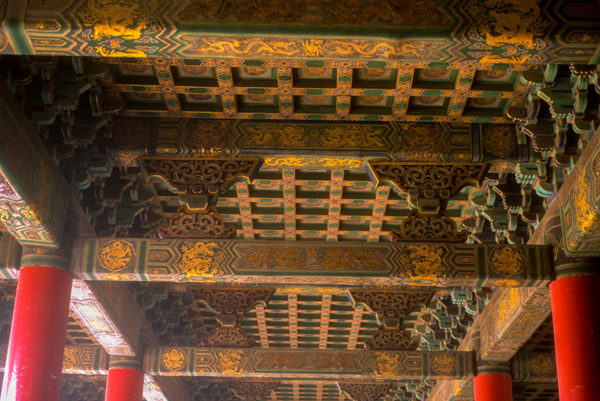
(198,181)
(429,185)
(230,303)
(392,339)
(434,228)
(202,224)
(364,391)
(252,390)
(223,336)
(390,306)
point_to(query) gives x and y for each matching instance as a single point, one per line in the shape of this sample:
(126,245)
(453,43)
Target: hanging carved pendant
(390,306)
(364,391)
(198,181)
(222,336)
(230,303)
(435,228)
(252,390)
(428,185)
(189,224)
(392,339)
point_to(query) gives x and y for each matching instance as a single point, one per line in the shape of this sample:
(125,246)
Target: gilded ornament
(115,277)
(512,30)
(507,304)
(231,361)
(541,365)
(70,358)
(586,224)
(500,140)
(443,363)
(116,255)
(200,259)
(422,262)
(507,261)
(386,364)
(173,359)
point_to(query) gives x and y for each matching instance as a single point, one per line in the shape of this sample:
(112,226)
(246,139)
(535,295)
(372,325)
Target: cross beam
(281,262)
(307,364)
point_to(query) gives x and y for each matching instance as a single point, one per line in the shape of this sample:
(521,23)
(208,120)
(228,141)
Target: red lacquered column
(576,318)
(493,387)
(124,384)
(37,336)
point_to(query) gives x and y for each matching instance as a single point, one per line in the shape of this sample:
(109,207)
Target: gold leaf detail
(541,365)
(173,359)
(507,261)
(116,255)
(200,259)
(443,363)
(230,361)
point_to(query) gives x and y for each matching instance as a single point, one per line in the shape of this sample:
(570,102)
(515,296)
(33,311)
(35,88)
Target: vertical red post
(37,336)
(493,387)
(125,384)
(576,319)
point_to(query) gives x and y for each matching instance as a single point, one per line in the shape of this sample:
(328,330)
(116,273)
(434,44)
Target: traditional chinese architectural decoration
(310,212)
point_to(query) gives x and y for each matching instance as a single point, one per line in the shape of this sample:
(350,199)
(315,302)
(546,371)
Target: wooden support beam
(39,209)
(307,364)
(285,263)
(512,317)
(448,29)
(78,359)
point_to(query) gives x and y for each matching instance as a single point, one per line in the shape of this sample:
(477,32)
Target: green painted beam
(308,364)
(457,30)
(284,263)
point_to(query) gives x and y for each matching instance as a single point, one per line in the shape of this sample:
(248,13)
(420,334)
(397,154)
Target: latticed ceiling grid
(310,321)
(542,340)
(332,205)
(317,90)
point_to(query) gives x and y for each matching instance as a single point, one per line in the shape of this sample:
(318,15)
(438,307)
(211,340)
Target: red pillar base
(493,387)
(37,336)
(124,384)
(576,318)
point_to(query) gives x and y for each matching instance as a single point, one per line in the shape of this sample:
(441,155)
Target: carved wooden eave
(230,303)
(390,306)
(433,228)
(196,224)
(198,181)
(428,185)
(252,390)
(364,391)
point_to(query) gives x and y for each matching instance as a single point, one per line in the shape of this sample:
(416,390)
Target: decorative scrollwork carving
(364,391)
(187,224)
(390,306)
(199,180)
(436,228)
(252,390)
(222,336)
(395,339)
(427,184)
(229,303)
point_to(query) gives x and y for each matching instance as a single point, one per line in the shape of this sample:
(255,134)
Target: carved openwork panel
(364,391)
(435,228)
(192,224)
(199,180)
(229,303)
(252,390)
(427,184)
(223,336)
(392,339)
(390,306)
